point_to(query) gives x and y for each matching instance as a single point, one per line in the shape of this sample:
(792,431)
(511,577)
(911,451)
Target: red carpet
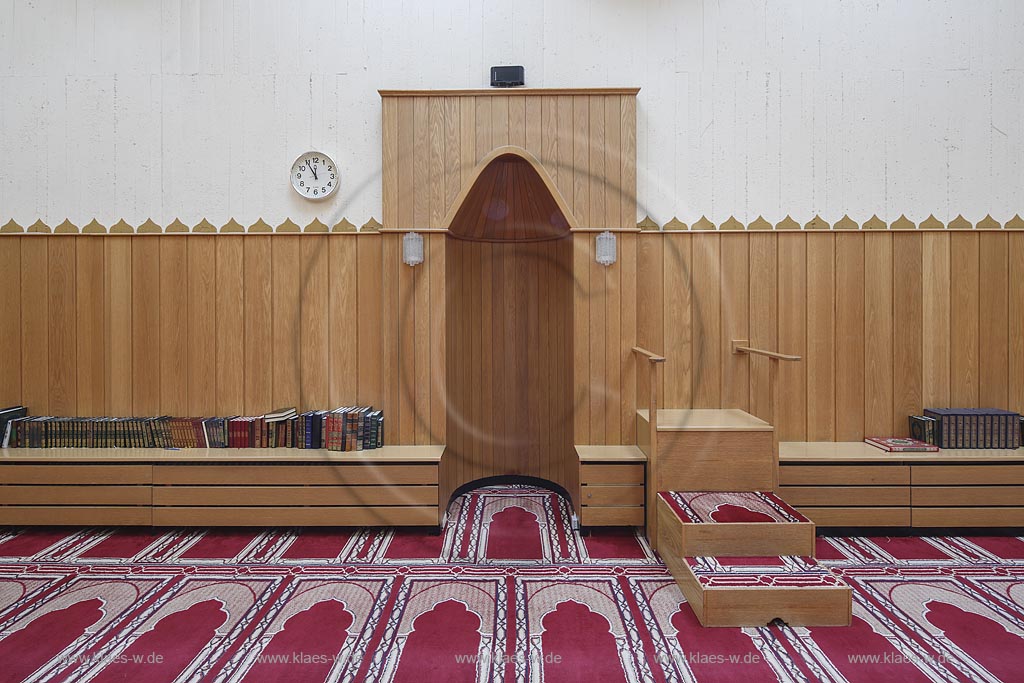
(508,592)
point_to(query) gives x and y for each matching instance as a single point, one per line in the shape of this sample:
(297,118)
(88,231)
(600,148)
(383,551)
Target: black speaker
(507,76)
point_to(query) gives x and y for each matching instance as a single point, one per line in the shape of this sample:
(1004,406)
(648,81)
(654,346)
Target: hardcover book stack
(967,428)
(353,428)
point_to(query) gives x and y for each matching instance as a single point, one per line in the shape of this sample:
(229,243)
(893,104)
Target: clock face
(314,175)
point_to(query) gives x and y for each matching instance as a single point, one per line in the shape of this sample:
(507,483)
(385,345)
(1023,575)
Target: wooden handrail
(741,347)
(651,356)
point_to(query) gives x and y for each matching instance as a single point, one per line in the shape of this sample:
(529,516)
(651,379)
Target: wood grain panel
(763,326)
(846,496)
(368,313)
(602,495)
(90,299)
(993,321)
(287,496)
(851,353)
(676,273)
(35,329)
(974,496)
(843,475)
(878,333)
(173,324)
(296,516)
(201,343)
(10,313)
(117,324)
(98,515)
(76,495)
(286,336)
(612,516)
(341,306)
(259,320)
(145,320)
(421,334)
(791,421)
(628,329)
(581,331)
(314,341)
(293,475)
(908,330)
(963,319)
(935,315)
(857,516)
(230,324)
(1016,334)
(821,386)
(650,316)
(61,328)
(708,339)
(735,301)
(438,339)
(967,474)
(968,517)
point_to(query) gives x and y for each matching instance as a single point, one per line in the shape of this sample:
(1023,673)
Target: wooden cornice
(502,92)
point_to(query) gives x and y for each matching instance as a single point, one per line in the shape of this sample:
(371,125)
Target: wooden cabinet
(611,485)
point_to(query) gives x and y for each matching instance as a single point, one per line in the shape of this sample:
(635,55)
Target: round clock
(314,175)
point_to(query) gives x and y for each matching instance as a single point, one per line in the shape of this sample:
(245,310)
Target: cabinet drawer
(322,475)
(612,495)
(844,475)
(954,496)
(847,516)
(611,474)
(851,496)
(612,516)
(967,474)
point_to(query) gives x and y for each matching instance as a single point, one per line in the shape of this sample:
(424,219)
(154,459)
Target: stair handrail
(648,442)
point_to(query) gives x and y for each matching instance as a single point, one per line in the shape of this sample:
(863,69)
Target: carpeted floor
(508,592)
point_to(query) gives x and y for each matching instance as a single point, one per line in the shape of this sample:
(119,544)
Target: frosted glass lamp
(412,249)
(606,248)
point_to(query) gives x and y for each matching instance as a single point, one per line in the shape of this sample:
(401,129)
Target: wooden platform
(390,486)
(611,485)
(855,484)
(698,534)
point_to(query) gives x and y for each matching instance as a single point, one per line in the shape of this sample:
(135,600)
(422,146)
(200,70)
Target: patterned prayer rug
(507,592)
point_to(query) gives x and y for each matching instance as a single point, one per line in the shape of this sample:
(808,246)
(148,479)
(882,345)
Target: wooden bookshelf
(393,485)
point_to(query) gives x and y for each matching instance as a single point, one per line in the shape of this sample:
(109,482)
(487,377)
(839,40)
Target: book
(899,445)
(974,427)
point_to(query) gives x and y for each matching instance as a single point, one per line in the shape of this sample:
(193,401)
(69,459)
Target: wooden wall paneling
(488,321)
(391,162)
(850,350)
(820,358)
(677,267)
(708,340)
(90,294)
(735,318)
(452,152)
(993,320)
(438,339)
(500,132)
(435,162)
(451,469)
(494,330)
(529,270)
(422,172)
(147,374)
(61,326)
(202,325)
(117,324)
(936,313)
(343,327)
(908,329)
(172,315)
(598,144)
(791,421)
(612,349)
(581,159)
(10,313)
(878,333)
(627,317)
(368,315)
(404,195)
(534,126)
(517,339)
(1016,332)
(259,324)
(484,125)
(581,336)
(516,121)
(229,317)
(650,318)
(627,154)
(314,322)
(421,340)
(613,163)
(963,319)
(565,150)
(549,138)
(763,319)
(286,268)
(35,328)
(406,414)
(596,339)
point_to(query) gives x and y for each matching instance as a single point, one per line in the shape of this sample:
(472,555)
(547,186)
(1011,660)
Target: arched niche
(509,314)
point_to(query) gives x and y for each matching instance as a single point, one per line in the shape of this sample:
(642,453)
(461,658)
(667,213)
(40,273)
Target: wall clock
(314,175)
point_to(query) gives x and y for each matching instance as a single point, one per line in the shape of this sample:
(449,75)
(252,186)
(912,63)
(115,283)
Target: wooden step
(731,523)
(754,591)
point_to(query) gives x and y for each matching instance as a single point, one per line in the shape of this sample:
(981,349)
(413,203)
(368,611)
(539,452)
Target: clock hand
(312,170)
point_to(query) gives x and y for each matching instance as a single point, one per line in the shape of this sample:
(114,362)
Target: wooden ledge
(829,452)
(388,455)
(707,420)
(505,92)
(610,454)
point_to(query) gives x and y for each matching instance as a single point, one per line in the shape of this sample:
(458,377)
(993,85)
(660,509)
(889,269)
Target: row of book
(350,428)
(968,428)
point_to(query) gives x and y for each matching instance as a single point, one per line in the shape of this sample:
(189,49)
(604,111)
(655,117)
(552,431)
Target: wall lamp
(412,248)
(605,252)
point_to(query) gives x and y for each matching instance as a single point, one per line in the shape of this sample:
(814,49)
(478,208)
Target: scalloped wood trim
(204,227)
(288,226)
(66,228)
(932,223)
(122,228)
(371,225)
(11,228)
(989,223)
(760,223)
(960,223)
(344,226)
(232,226)
(903,223)
(703,224)
(315,226)
(731,224)
(847,223)
(787,223)
(647,224)
(1015,223)
(39,227)
(675,225)
(817,223)
(260,227)
(177,226)
(94,227)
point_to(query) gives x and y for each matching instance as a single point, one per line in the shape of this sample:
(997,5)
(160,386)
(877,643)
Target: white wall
(192,109)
